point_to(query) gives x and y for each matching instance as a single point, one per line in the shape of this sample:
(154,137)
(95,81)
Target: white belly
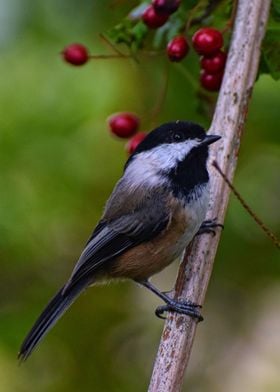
(196,210)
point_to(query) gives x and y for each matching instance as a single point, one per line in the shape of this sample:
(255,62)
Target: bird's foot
(183,307)
(209,227)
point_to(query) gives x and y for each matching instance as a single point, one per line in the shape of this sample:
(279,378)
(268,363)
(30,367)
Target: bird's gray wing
(113,237)
(139,217)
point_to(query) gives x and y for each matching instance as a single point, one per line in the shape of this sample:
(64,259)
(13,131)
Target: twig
(260,223)
(229,117)
(111,45)
(109,56)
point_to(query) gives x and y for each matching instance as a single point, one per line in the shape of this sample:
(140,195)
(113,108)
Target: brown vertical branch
(194,273)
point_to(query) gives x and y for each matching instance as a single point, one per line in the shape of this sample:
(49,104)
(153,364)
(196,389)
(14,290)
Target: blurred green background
(58,166)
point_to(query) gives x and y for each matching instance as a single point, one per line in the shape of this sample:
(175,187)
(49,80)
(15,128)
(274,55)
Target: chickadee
(153,213)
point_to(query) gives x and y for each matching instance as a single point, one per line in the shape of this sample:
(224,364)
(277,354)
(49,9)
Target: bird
(155,210)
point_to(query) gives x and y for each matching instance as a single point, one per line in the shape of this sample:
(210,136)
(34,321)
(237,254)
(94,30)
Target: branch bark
(228,121)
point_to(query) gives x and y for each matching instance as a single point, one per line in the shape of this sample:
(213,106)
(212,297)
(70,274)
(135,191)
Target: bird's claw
(209,226)
(188,308)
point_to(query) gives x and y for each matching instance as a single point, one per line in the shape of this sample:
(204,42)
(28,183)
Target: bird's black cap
(171,132)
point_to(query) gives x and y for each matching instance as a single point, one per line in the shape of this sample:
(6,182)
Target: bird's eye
(178,136)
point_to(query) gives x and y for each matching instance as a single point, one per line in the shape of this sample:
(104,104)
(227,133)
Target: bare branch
(231,109)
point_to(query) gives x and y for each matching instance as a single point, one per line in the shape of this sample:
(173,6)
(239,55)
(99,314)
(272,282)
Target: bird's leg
(183,307)
(209,226)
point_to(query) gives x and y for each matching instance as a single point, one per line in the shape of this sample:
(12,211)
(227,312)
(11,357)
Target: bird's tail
(50,315)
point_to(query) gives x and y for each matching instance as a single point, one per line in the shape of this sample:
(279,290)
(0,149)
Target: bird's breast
(152,256)
(189,214)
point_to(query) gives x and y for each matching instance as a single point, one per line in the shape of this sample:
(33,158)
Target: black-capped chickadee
(153,213)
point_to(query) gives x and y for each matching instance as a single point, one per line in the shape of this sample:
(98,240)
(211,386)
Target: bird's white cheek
(141,173)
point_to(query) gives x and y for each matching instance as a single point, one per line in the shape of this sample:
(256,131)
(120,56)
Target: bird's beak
(209,139)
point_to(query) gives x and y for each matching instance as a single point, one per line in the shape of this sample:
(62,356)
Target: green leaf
(160,35)
(139,32)
(270,61)
(169,30)
(177,23)
(121,33)
(129,33)
(189,4)
(275,9)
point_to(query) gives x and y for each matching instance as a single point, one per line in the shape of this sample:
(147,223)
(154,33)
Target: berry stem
(109,56)
(191,14)
(152,53)
(230,22)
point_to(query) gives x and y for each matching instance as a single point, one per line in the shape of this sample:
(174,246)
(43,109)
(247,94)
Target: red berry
(177,48)
(133,143)
(75,54)
(152,19)
(124,124)
(166,7)
(207,41)
(215,63)
(211,82)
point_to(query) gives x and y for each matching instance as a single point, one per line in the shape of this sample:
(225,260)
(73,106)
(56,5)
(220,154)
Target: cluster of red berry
(125,125)
(156,15)
(208,42)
